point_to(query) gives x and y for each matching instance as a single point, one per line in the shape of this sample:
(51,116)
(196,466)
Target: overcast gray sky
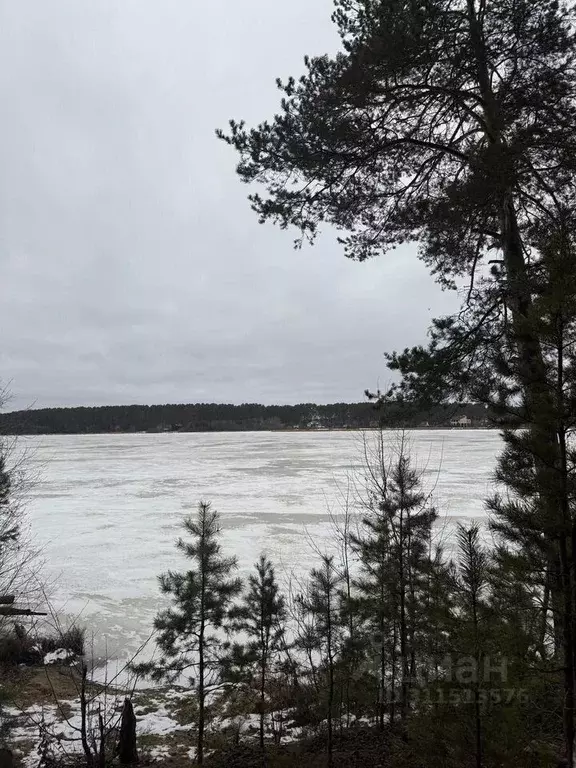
(132,269)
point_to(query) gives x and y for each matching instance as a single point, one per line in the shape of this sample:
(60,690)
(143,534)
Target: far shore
(307,430)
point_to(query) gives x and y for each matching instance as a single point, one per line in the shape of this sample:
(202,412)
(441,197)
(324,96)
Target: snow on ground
(248,725)
(161,752)
(159,730)
(159,721)
(61,723)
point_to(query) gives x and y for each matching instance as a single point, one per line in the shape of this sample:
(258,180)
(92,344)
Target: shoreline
(283,430)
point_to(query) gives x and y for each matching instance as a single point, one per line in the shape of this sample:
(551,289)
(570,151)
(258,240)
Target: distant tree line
(215,417)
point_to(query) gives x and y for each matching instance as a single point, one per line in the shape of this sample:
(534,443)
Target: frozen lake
(107,508)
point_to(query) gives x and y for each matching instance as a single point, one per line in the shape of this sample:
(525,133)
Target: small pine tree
(9,528)
(471,584)
(395,562)
(322,601)
(261,617)
(201,600)
(5,483)
(373,586)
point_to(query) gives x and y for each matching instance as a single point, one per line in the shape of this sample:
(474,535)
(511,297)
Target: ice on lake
(108,508)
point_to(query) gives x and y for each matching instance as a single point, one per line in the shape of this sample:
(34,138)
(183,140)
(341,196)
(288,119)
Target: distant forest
(213,417)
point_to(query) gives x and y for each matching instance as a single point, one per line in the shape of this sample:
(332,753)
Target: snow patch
(60,654)
(160,752)
(159,722)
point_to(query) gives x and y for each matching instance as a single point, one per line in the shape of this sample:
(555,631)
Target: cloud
(132,267)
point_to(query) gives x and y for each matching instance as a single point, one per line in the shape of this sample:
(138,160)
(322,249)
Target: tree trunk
(533,378)
(392,675)
(83,719)
(477,711)
(478,726)
(262,700)
(351,633)
(386,697)
(201,696)
(545,611)
(127,750)
(403,628)
(102,745)
(568,654)
(330,683)
(567,554)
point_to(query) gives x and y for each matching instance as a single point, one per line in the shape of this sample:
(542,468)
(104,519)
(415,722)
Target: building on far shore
(463,422)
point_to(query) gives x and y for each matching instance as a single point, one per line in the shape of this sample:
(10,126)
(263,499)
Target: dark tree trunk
(127,748)
(568,654)
(262,700)
(6,758)
(404,671)
(330,682)
(477,710)
(545,611)
(538,396)
(83,719)
(201,698)
(102,746)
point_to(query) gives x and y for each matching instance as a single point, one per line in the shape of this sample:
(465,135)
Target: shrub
(16,648)
(19,646)
(73,639)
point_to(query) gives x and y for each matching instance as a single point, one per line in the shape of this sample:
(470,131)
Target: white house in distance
(463,421)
